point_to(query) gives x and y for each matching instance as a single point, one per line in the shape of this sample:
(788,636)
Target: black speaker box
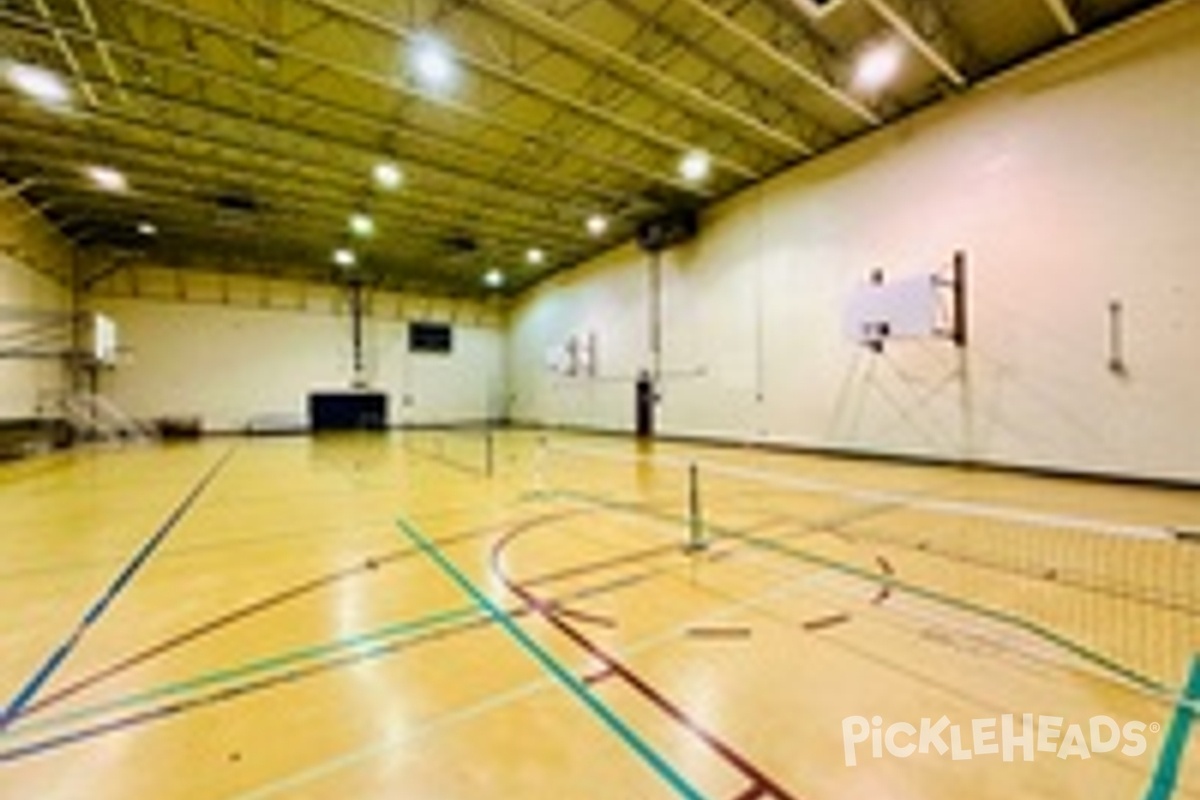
(670,229)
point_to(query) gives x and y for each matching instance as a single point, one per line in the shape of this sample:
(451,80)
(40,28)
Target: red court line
(619,669)
(885,591)
(218,696)
(230,618)
(752,793)
(601,620)
(99,607)
(592,678)
(230,693)
(720,632)
(828,621)
(616,561)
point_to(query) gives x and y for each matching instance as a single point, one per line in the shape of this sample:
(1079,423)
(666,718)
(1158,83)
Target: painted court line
(907,500)
(622,671)
(426,628)
(573,684)
(1112,668)
(1166,775)
(297,662)
(463,715)
(56,659)
(233,616)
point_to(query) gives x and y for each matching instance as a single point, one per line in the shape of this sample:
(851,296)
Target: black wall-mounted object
(430,337)
(347,411)
(672,228)
(644,401)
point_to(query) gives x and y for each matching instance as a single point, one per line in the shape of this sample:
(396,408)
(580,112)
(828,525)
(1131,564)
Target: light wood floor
(371,616)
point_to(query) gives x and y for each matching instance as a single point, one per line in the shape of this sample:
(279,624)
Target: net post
(696,539)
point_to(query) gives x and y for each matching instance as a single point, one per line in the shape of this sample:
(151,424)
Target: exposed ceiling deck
(248,130)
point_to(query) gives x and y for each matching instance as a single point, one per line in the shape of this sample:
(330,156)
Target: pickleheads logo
(1000,736)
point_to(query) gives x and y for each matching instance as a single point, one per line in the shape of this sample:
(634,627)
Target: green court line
(1055,638)
(655,761)
(364,641)
(1166,775)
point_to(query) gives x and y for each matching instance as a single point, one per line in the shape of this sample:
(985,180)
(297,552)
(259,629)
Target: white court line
(906,499)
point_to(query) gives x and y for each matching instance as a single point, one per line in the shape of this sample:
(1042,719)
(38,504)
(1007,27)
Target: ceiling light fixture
(344,257)
(107,178)
(695,166)
(361,224)
(597,224)
(40,84)
(535,256)
(877,66)
(494,278)
(387,175)
(432,61)
(147,228)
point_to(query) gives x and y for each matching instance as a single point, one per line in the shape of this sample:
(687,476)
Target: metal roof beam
(777,56)
(244,117)
(68,53)
(332,207)
(1063,16)
(181,133)
(522,132)
(507,75)
(106,59)
(919,23)
(607,56)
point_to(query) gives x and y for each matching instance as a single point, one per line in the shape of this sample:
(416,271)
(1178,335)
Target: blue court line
(56,659)
(556,670)
(1166,776)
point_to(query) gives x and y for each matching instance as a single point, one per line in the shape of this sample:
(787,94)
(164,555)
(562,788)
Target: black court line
(60,653)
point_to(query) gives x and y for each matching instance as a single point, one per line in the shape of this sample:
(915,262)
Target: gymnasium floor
(373,616)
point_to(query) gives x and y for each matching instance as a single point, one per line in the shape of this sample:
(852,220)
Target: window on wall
(430,337)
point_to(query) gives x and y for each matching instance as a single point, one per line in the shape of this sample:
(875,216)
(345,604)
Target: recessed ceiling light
(41,84)
(146,228)
(695,166)
(432,62)
(535,256)
(597,224)
(877,66)
(344,257)
(107,178)
(387,175)
(361,225)
(494,278)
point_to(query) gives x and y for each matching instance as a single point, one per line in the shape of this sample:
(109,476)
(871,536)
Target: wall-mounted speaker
(668,230)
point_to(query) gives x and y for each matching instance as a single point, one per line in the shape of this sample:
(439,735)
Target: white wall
(1070,183)
(35,269)
(235,351)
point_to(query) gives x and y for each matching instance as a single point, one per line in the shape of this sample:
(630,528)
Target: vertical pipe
(958,334)
(656,317)
(75,363)
(1116,338)
(356,314)
(960,298)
